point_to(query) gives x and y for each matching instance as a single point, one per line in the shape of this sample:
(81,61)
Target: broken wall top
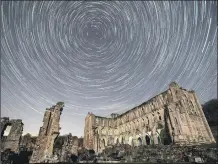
(58,106)
(12,121)
(172,85)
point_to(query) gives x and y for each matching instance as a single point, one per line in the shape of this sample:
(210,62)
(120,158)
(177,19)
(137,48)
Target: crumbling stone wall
(12,141)
(28,142)
(69,147)
(43,150)
(172,116)
(80,143)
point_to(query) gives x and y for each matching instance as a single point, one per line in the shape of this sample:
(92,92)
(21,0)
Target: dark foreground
(131,162)
(127,154)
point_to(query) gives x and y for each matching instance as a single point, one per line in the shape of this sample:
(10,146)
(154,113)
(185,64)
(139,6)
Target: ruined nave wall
(175,108)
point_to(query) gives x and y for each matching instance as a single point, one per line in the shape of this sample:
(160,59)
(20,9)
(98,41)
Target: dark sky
(102,57)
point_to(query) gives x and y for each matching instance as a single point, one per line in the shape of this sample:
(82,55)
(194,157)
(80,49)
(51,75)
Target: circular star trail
(102,57)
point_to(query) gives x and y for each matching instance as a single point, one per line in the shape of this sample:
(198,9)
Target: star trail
(102,57)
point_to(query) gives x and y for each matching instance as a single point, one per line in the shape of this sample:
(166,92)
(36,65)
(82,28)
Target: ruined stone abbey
(174,116)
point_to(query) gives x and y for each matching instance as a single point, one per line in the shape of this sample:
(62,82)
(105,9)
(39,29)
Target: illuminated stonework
(12,141)
(43,149)
(174,116)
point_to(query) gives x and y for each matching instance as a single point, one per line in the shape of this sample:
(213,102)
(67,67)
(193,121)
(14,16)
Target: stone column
(172,122)
(154,134)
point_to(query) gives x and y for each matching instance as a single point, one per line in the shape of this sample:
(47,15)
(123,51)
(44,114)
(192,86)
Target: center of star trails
(93,33)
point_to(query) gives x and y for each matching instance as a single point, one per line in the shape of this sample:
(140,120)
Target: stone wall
(88,131)
(172,116)
(28,142)
(12,141)
(69,147)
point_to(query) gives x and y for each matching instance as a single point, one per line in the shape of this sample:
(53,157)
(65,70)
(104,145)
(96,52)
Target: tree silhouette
(210,109)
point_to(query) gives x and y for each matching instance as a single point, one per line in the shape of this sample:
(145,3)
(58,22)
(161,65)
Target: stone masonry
(174,116)
(70,146)
(12,141)
(28,142)
(43,150)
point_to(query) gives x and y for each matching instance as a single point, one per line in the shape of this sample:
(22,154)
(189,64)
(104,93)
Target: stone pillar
(47,134)
(172,122)
(96,142)
(155,139)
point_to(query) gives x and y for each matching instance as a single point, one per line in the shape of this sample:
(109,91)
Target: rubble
(156,154)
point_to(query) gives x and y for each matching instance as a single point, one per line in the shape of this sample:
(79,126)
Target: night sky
(102,57)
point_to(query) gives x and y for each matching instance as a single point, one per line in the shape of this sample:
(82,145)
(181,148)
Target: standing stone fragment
(43,150)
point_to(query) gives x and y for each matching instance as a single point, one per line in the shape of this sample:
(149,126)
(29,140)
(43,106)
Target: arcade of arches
(137,140)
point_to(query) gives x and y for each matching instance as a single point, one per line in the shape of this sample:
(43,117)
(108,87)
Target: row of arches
(137,121)
(142,140)
(141,123)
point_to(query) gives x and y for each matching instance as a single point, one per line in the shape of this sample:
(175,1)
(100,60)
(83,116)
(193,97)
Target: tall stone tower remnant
(43,150)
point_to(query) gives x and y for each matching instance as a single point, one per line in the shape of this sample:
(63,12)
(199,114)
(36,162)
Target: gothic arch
(103,145)
(121,139)
(117,141)
(147,139)
(139,141)
(7,126)
(148,122)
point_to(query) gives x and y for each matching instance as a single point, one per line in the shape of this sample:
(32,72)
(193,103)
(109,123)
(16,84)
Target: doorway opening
(139,141)
(148,141)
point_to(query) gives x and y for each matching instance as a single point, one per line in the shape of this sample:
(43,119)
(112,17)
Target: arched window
(176,121)
(103,143)
(159,115)
(147,128)
(139,141)
(6,130)
(117,142)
